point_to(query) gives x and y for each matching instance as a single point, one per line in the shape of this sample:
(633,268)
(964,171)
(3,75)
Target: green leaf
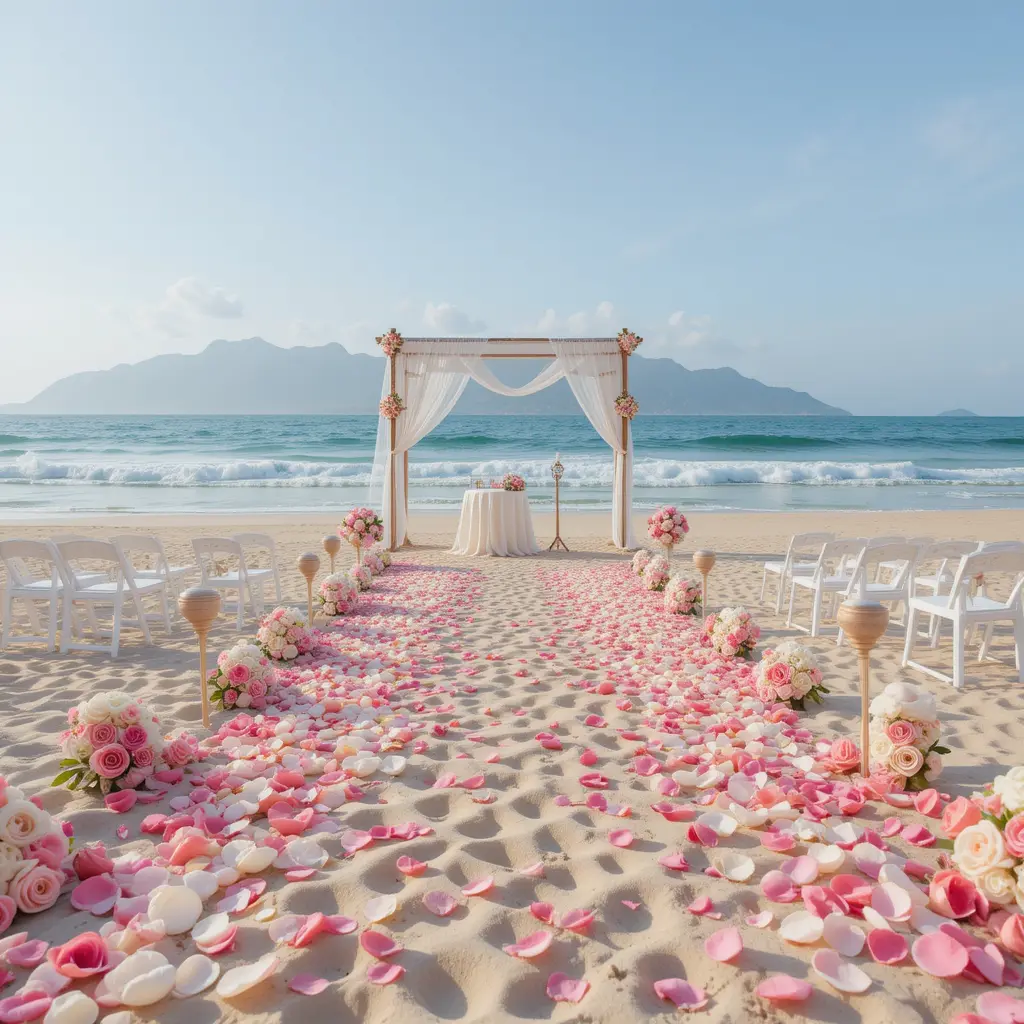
(940,750)
(64,776)
(67,762)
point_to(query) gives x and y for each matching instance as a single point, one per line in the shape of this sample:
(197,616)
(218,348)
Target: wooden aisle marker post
(308,565)
(864,623)
(200,606)
(625,453)
(332,545)
(704,560)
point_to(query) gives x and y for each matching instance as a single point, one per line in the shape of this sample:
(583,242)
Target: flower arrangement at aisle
(362,528)
(628,341)
(988,855)
(283,635)
(391,343)
(904,736)
(640,560)
(626,405)
(513,482)
(683,597)
(381,552)
(789,673)
(656,574)
(361,576)
(338,594)
(244,678)
(732,632)
(32,849)
(373,563)
(392,406)
(667,525)
(112,742)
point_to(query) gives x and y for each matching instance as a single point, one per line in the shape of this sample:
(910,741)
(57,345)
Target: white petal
(240,979)
(195,974)
(177,906)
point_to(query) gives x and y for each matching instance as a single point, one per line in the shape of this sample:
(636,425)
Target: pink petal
(887,947)
(533,945)
(576,920)
(621,837)
(779,888)
(630,903)
(299,874)
(338,924)
(27,954)
(939,954)
(989,963)
(97,894)
(563,989)
(802,870)
(761,920)
(440,903)
(674,862)
(724,945)
(533,870)
(378,945)
(783,988)
(543,912)
(701,905)
(1000,1008)
(384,974)
(479,887)
(681,993)
(308,984)
(780,842)
(839,973)
(410,866)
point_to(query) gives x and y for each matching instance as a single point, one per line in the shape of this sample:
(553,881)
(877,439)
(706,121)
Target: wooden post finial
(200,606)
(308,565)
(332,545)
(704,560)
(863,622)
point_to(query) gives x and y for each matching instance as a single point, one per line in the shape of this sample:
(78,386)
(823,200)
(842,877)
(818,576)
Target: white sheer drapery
(595,380)
(477,368)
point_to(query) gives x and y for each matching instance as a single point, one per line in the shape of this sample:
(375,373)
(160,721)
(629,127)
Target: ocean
(86,465)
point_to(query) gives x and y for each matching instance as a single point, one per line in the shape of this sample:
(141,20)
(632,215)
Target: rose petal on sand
(887,946)
(479,887)
(241,979)
(195,974)
(939,955)
(577,920)
(784,988)
(724,945)
(737,867)
(843,935)
(681,993)
(779,888)
(760,920)
(378,945)
(97,894)
(533,870)
(380,908)
(307,984)
(621,838)
(384,974)
(563,989)
(839,973)
(801,927)
(1000,1008)
(533,945)
(892,901)
(440,903)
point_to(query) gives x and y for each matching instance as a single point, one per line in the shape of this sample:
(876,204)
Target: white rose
(933,764)
(1020,886)
(979,849)
(119,701)
(881,747)
(998,886)
(1010,789)
(244,700)
(290,651)
(21,822)
(97,709)
(801,683)
(10,864)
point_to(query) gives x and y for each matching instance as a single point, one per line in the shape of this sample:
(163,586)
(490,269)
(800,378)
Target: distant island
(961,413)
(255,377)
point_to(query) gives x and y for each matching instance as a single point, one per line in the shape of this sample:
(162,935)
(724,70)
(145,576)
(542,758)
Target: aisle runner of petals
(275,804)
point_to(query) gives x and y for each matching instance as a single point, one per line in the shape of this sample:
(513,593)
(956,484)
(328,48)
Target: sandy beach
(456,968)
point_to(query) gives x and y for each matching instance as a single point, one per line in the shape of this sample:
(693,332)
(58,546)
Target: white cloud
(446,319)
(186,302)
(579,324)
(968,135)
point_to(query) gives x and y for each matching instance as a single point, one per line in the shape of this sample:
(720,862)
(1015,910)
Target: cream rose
(998,886)
(10,863)
(21,822)
(96,709)
(881,747)
(1010,789)
(1019,894)
(979,849)
(906,761)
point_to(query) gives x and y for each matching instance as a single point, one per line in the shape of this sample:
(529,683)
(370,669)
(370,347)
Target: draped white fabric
(595,380)
(430,379)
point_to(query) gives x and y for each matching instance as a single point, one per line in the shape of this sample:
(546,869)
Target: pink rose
(780,673)
(92,860)
(134,737)
(50,850)
(131,713)
(258,688)
(901,733)
(1012,934)
(110,761)
(36,888)
(8,908)
(952,895)
(958,814)
(101,734)
(230,697)
(1013,835)
(784,692)
(844,755)
(81,957)
(239,674)
(135,778)
(143,757)
(178,752)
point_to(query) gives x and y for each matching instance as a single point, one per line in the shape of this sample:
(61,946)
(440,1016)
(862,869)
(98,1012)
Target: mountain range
(254,376)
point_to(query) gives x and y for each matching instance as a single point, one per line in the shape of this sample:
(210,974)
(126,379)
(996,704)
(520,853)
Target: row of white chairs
(73,575)
(935,582)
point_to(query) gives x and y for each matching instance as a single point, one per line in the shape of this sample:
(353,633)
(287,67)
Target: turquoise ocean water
(81,465)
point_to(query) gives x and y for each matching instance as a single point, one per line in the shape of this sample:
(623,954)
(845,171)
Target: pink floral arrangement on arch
(113,741)
(32,848)
(904,735)
(283,635)
(683,597)
(244,678)
(667,525)
(790,674)
(731,632)
(628,341)
(392,406)
(338,594)
(626,406)
(390,343)
(362,528)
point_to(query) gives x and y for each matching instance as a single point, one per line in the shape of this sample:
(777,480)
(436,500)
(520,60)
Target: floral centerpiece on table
(338,594)
(362,528)
(244,678)
(731,632)
(513,482)
(667,525)
(392,406)
(32,848)
(640,560)
(361,576)
(113,741)
(790,674)
(904,737)
(390,343)
(683,597)
(382,553)
(283,635)
(656,574)
(626,406)
(628,341)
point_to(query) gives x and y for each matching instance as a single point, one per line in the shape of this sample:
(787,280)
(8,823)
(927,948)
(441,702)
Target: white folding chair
(174,576)
(966,610)
(891,567)
(25,585)
(830,578)
(119,587)
(799,560)
(256,541)
(902,556)
(208,550)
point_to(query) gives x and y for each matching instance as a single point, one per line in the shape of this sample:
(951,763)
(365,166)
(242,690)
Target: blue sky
(825,196)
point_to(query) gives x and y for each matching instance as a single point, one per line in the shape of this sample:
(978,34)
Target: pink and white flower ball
(339,594)
(362,527)
(656,575)
(683,597)
(361,576)
(373,563)
(667,526)
(244,678)
(904,733)
(382,553)
(789,673)
(731,632)
(640,560)
(283,635)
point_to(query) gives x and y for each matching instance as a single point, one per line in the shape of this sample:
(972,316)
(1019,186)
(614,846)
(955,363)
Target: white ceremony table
(495,522)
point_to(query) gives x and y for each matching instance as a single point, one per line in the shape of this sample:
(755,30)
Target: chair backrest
(14,552)
(805,546)
(208,548)
(257,540)
(834,553)
(126,543)
(989,559)
(943,550)
(875,552)
(72,551)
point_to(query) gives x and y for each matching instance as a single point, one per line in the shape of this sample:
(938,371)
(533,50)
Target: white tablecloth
(495,522)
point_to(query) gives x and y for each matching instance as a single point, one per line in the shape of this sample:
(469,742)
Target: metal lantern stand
(557,469)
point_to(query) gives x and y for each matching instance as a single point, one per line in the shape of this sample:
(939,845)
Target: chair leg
(764,583)
(1018,643)
(115,633)
(164,605)
(51,636)
(908,646)
(792,599)
(5,626)
(986,641)
(958,654)
(816,613)
(241,607)
(66,619)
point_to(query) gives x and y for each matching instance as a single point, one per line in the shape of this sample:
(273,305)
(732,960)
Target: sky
(823,196)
